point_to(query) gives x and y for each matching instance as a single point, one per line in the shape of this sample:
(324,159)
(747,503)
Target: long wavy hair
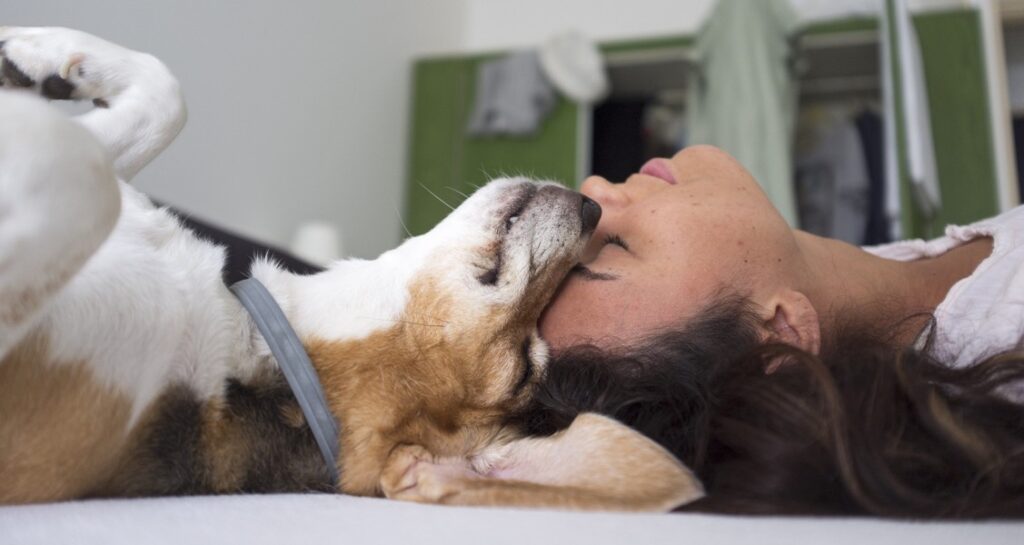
(866,427)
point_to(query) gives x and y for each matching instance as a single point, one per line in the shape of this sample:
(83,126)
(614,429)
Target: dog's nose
(590,213)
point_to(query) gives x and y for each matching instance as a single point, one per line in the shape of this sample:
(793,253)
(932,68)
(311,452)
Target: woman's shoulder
(981,315)
(1006,229)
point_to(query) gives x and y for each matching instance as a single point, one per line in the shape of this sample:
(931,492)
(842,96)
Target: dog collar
(295,364)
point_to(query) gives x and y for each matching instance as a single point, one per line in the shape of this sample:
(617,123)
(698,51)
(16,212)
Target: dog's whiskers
(399,321)
(402,221)
(436,197)
(421,323)
(464,196)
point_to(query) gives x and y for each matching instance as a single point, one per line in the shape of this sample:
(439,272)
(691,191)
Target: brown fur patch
(444,387)
(60,431)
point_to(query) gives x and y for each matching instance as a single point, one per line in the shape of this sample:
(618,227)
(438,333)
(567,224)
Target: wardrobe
(1013,34)
(836,62)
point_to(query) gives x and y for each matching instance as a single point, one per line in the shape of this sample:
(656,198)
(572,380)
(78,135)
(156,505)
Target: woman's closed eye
(587,273)
(616,240)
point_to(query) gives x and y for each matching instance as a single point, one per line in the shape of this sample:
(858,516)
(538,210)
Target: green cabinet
(954,67)
(445,162)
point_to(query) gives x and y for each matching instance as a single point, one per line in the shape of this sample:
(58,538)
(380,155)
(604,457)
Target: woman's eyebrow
(583,272)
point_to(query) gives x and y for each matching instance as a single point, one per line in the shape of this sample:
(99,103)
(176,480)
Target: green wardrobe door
(953,57)
(435,144)
(954,65)
(446,162)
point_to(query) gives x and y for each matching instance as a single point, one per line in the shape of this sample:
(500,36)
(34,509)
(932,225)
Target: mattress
(323,518)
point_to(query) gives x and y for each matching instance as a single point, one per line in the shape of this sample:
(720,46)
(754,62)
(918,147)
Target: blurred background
(334,128)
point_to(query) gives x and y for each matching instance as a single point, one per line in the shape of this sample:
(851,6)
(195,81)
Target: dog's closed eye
(490,276)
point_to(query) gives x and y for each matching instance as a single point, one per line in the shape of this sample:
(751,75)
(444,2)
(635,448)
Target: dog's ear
(596,463)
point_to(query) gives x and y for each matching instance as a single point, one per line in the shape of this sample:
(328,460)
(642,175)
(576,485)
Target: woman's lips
(659,169)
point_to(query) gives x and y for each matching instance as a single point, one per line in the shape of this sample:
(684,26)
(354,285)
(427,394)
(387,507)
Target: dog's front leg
(59,200)
(139,106)
(595,464)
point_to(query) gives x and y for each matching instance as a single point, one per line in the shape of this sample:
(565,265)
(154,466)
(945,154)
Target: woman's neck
(846,283)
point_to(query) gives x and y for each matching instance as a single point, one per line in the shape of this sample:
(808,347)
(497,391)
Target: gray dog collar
(295,364)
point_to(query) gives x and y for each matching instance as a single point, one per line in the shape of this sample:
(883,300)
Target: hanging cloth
(513,96)
(574,65)
(832,181)
(907,78)
(743,98)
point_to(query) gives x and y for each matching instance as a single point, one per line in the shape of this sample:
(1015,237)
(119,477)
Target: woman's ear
(791,319)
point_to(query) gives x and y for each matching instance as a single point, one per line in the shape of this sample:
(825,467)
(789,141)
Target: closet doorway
(837,146)
(644,117)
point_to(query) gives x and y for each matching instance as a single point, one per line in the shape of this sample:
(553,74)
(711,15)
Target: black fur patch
(57,88)
(170,459)
(282,458)
(167,459)
(14,76)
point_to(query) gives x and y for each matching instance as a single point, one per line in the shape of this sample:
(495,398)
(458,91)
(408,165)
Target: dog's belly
(147,313)
(148,310)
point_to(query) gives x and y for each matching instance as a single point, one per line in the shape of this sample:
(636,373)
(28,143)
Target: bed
(324,518)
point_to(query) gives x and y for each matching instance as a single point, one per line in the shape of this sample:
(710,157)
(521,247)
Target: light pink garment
(982,314)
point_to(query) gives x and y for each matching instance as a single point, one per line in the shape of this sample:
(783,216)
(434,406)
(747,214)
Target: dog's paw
(413,474)
(61,63)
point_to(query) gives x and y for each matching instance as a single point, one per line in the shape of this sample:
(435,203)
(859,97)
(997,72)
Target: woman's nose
(607,194)
(613,200)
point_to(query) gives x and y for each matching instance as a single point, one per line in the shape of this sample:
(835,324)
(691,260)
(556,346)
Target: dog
(127,368)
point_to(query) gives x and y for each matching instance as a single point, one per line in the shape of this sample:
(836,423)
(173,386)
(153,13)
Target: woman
(795,373)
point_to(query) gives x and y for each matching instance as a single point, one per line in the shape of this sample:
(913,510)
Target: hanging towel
(904,82)
(573,63)
(744,96)
(921,166)
(513,97)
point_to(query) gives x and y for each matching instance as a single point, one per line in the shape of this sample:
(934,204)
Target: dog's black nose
(590,212)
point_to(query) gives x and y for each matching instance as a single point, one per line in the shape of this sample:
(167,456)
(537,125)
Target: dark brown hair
(865,428)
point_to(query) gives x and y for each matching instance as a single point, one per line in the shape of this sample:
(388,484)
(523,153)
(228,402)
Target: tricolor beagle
(128,369)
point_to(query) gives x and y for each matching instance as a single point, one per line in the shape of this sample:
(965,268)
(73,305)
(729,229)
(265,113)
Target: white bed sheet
(322,519)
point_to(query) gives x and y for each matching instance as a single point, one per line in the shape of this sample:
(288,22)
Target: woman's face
(669,239)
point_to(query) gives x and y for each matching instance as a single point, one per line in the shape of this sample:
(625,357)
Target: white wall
(298,110)
(500,24)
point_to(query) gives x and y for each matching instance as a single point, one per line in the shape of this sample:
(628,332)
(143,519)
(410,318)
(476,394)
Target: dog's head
(442,343)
